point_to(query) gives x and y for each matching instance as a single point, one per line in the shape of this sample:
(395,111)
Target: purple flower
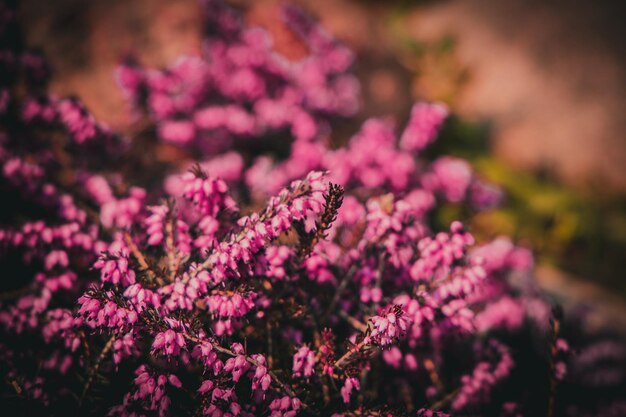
(259,288)
(349,385)
(477,387)
(168,342)
(115,269)
(423,126)
(303,362)
(389,327)
(210,195)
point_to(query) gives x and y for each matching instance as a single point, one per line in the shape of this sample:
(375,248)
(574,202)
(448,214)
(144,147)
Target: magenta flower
(389,327)
(303,362)
(263,272)
(168,342)
(349,385)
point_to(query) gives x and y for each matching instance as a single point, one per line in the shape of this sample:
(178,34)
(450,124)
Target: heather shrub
(278,275)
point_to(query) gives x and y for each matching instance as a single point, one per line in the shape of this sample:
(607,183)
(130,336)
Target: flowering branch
(186,285)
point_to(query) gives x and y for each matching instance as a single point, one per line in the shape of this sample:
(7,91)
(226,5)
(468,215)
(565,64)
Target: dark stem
(556,326)
(96,366)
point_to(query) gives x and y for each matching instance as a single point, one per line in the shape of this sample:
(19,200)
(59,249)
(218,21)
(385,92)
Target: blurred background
(537,88)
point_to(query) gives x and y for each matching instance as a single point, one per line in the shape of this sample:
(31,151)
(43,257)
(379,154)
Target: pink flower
(477,387)
(168,342)
(121,213)
(177,131)
(210,195)
(81,125)
(349,385)
(423,126)
(303,362)
(285,407)
(386,329)
(226,305)
(506,313)
(115,269)
(238,365)
(449,176)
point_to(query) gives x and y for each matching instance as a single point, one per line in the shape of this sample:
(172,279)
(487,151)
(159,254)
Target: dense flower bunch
(312,284)
(241,88)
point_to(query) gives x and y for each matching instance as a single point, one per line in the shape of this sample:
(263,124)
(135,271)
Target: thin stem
(16,386)
(351,352)
(556,327)
(326,393)
(83,338)
(12,294)
(96,366)
(405,393)
(141,259)
(354,322)
(270,345)
(342,286)
(444,401)
(434,375)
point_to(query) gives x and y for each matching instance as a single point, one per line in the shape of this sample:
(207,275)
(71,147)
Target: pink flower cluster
(242,88)
(151,392)
(304,362)
(209,194)
(477,387)
(387,328)
(315,284)
(422,127)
